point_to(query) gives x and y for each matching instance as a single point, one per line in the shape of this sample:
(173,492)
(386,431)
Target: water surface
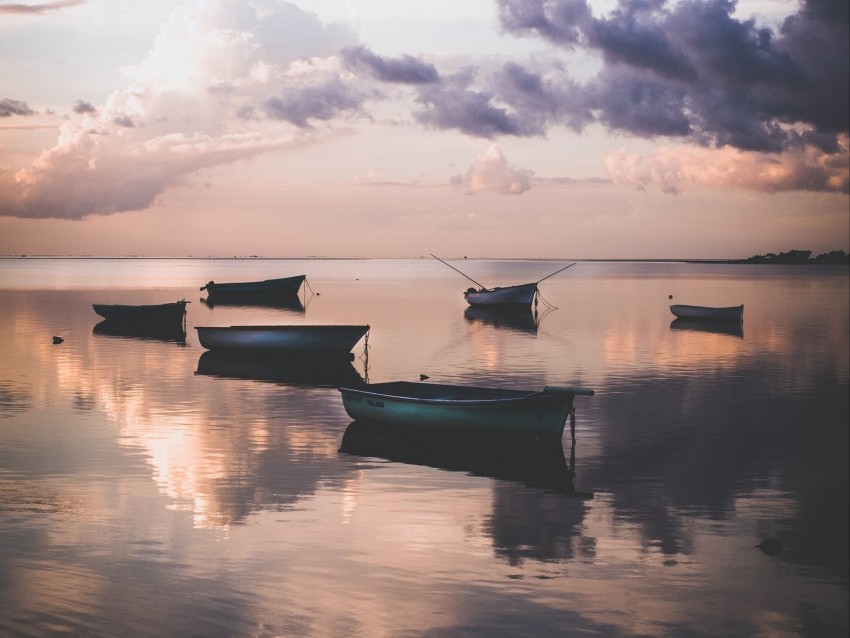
(148,489)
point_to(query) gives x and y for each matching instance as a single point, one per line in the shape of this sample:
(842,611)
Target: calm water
(148,491)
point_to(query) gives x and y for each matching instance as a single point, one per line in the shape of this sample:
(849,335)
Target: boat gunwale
(281,327)
(715,308)
(518,396)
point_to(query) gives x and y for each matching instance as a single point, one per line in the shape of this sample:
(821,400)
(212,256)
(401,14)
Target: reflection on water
(133,471)
(522,319)
(732,329)
(176,333)
(291,303)
(536,460)
(326,371)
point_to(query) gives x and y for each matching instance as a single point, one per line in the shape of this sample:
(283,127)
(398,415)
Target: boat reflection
(732,329)
(292,303)
(536,460)
(521,319)
(175,333)
(281,367)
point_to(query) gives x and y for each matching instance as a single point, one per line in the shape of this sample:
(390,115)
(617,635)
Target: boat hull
(522,295)
(268,288)
(427,405)
(292,338)
(154,315)
(732,314)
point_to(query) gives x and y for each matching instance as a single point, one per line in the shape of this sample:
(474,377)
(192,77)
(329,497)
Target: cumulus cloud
(187,107)
(226,80)
(676,169)
(9,108)
(42,7)
(491,172)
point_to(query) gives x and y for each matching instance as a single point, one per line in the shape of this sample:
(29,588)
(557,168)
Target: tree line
(798,257)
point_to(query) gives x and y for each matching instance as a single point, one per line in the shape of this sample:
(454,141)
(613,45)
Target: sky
(586,129)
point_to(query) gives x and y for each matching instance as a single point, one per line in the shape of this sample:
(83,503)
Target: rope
(545,303)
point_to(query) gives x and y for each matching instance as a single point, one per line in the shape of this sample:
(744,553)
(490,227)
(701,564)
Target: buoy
(58,340)
(669,296)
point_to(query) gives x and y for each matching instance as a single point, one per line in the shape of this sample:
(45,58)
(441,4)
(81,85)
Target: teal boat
(410,404)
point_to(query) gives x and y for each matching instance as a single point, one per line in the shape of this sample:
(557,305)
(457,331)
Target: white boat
(729,314)
(409,404)
(501,296)
(521,295)
(294,338)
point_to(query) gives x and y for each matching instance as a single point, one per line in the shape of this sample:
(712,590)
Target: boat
(535,460)
(411,404)
(149,316)
(730,314)
(268,288)
(316,339)
(281,367)
(521,295)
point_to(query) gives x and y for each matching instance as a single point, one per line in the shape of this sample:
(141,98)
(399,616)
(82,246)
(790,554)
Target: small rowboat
(144,315)
(292,338)
(410,405)
(504,296)
(733,314)
(521,295)
(282,287)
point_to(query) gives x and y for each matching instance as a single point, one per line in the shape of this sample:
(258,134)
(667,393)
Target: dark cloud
(455,104)
(81,106)
(9,108)
(404,70)
(43,7)
(322,100)
(694,71)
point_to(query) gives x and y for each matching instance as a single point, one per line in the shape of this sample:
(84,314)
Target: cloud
(491,172)
(676,169)
(43,7)
(81,106)
(9,108)
(690,70)
(405,69)
(222,82)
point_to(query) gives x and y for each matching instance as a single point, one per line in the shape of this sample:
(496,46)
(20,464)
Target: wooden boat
(268,288)
(705,313)
(521,295)
(281,367)
(291,338)
(503,296)
(411,404)
(144,315)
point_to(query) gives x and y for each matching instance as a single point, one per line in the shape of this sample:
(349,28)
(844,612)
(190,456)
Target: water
(143,495)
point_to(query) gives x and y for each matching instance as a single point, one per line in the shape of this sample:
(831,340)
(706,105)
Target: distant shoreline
(789,258)
(748,261)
